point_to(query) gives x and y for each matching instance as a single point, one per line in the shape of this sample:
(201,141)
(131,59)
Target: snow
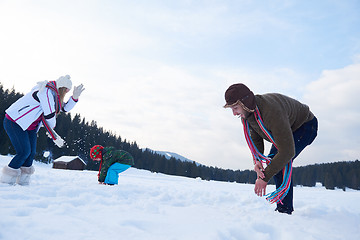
(68,159)
(62,204)
(46,154)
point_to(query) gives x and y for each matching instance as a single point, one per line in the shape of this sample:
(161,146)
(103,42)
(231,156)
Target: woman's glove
(59,141)
(77,91)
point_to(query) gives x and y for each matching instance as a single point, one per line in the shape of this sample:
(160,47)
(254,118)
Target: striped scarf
(279,194)
(58,106)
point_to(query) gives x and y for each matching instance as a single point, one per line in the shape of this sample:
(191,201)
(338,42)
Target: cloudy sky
(155,72)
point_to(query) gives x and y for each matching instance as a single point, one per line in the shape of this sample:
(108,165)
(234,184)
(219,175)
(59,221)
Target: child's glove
(77,91)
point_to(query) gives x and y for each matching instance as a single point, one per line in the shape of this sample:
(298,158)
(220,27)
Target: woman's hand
(77,91)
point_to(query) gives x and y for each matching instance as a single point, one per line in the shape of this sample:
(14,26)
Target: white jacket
(29,108)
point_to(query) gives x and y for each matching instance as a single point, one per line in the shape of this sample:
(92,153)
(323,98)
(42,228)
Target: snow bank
(63,204)
(68,159)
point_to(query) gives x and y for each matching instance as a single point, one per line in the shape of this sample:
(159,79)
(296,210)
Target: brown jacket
(281,115)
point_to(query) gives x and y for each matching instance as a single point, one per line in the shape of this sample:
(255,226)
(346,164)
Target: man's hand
(259,169)
(260,187)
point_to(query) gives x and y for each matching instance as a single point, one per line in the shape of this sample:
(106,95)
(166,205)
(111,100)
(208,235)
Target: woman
(24,118)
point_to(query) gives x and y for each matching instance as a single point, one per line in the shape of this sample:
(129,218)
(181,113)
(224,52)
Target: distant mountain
(168,155)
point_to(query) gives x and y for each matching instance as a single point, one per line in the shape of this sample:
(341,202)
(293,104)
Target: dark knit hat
(240,94)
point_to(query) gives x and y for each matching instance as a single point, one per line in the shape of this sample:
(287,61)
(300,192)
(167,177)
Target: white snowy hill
(66,204)
(169,155)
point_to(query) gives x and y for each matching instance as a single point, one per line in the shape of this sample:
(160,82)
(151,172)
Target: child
(112,162)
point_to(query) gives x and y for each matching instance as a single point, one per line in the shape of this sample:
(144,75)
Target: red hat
(96,152)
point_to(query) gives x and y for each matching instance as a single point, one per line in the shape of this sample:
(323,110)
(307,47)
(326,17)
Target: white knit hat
(64,81)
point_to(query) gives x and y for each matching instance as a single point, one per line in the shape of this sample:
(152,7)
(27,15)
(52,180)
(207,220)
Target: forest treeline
(80,135)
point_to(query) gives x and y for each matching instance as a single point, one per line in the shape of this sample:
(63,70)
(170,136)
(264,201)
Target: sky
(153,206)
(155,72)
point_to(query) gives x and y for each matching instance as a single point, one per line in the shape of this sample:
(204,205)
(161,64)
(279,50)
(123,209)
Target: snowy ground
(64,205)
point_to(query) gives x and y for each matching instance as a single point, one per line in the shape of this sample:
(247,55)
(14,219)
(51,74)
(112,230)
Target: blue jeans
(24,143)
(303,137)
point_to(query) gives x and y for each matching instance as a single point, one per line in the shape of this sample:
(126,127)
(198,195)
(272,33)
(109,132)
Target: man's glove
(77,91)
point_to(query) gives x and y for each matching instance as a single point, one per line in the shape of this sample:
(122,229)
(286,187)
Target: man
(285,122)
